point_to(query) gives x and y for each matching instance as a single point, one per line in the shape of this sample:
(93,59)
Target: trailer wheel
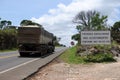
(22,54)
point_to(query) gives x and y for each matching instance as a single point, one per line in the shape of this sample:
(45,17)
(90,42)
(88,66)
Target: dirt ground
(58,70)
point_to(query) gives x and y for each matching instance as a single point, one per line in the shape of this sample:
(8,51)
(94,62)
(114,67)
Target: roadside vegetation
(7,50)
(71,56)
(8,39)
(93,21)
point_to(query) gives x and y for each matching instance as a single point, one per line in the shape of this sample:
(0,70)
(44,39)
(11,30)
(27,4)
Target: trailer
(35,40)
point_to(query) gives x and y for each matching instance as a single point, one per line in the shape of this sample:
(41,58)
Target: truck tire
(22,54)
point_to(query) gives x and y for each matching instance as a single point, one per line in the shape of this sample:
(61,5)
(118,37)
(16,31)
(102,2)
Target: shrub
(8,39)
(101,57)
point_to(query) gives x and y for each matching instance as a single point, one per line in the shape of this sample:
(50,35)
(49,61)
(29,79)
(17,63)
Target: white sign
(95,37)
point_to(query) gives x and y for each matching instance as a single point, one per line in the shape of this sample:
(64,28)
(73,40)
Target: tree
(57,40)
(29,22)
(115,31)
(116,27)
(9,22)
(75,37)
(4,24)
(98,22)
(90,20)
(83,19)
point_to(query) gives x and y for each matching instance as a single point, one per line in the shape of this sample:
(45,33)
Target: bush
(8,39)
(99,58)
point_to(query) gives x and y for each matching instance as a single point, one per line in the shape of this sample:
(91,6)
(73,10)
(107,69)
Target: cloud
(59,20)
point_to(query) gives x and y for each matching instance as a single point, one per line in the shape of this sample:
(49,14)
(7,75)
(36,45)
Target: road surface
(14,67)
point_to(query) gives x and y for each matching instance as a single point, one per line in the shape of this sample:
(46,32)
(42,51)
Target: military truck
(34,40)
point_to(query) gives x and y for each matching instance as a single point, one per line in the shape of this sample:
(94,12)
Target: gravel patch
(58,70)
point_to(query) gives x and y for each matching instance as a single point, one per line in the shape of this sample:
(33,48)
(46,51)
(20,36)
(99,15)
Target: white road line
(18,66)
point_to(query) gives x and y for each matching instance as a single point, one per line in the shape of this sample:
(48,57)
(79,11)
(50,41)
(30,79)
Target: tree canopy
(115,31)
(90,20)
(116,27)
(29,22)
(4,23)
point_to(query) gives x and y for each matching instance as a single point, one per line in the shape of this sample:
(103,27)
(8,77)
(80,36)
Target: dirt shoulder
(58,70)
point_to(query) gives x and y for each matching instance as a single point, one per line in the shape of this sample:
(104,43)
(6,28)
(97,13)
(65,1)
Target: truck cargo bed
(29,34)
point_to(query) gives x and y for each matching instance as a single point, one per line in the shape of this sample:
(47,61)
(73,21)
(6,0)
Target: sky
(56,15)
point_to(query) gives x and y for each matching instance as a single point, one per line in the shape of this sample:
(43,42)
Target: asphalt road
(14,67)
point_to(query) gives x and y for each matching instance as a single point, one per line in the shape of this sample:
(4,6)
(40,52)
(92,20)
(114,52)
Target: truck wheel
(22,54)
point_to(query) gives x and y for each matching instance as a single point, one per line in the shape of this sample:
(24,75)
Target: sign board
(95,37)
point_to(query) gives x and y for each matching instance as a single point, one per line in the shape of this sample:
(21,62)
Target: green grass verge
(70,57)
(7,50)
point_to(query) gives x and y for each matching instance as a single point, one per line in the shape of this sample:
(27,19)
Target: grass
(70,57)
(7,50)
